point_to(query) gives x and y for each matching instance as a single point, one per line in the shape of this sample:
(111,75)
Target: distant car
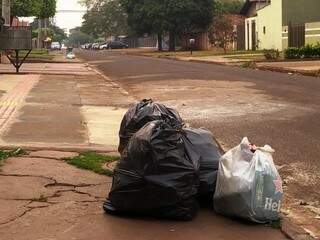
(104,45)
(116,45)
(55,46)
(88,46)
(95,46)
(70,55)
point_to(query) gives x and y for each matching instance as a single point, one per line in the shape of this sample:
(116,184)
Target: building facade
(279,24)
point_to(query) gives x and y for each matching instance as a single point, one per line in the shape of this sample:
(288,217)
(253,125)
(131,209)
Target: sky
(66,19)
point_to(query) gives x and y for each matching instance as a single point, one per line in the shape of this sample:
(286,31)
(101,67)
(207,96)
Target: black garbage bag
(140,114)
(157,175)
(210,151)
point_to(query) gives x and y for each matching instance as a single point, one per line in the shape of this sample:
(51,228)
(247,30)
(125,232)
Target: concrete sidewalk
(76,109)
(295,66)
(49,68)
(42,197)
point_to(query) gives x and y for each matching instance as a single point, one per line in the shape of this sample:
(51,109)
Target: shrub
(271,54)
(292,53)
(307,51)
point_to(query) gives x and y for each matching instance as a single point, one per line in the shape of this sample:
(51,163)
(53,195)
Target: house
(279,24)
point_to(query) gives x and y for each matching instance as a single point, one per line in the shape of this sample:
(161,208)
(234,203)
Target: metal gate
(296,35)
(253,35)
(241,38)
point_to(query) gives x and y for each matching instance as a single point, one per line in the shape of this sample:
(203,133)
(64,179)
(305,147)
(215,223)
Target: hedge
(307,51)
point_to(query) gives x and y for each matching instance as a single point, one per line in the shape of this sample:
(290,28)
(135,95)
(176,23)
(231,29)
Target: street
(82,81)
(72,107)
(278,109)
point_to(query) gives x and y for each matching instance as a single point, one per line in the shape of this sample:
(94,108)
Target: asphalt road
(278,109)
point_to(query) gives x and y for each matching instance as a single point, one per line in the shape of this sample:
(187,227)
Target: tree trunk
(172,41)
(160,42)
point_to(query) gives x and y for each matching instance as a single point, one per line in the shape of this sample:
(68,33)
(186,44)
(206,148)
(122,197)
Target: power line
(71,11)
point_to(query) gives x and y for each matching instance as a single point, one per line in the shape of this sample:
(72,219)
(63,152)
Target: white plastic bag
(248,185)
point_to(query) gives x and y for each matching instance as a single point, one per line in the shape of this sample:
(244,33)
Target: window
(264,30)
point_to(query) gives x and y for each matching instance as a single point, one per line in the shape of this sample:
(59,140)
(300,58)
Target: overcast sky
(68,20)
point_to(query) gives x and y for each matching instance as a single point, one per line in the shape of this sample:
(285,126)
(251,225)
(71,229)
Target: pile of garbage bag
(157,174)
(248,185)
(140,114)
(166,169)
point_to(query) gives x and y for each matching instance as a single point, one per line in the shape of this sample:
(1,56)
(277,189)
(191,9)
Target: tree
(187,16)
(230,6)
(47,8)
(146,16)
(173,16)
(105,18)
(54,32)
(77,38)
(221,32)
(29,8)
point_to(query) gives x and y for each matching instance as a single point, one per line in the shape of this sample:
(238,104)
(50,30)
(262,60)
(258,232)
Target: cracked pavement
(44,198)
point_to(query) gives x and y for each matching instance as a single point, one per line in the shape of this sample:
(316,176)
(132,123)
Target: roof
(247,5)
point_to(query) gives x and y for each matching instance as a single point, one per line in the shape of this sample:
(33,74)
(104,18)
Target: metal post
(17,61)
(6,13)
(39,33)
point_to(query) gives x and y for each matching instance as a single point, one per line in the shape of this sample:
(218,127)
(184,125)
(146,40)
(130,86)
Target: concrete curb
(286,70)
(60,147)
(237,64)
(122,90)
(294,232)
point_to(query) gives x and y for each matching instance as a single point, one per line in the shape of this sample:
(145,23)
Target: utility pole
(6,13)
(39,33)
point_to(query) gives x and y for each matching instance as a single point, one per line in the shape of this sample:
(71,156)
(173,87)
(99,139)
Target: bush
(292,53)
(271,54)
(307,51)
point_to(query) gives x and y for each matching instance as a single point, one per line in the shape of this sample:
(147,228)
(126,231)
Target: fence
(296,35)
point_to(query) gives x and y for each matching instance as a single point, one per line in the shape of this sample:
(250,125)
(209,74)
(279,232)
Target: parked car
(116,45)
(88,46)
(104,45)
(95,46)
(55,46)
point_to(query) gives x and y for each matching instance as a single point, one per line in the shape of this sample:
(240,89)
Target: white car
(104,46)
(70,55)
(55,46)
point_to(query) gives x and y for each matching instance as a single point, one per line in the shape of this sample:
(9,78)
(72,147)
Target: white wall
(270,17)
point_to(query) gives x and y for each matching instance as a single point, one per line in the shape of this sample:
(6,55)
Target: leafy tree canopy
(178,16)
(77,37)
(36,8)
(105,18)
(228,6)
(54,32)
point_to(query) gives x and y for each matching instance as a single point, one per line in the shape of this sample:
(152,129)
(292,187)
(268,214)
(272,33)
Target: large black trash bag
(140,114)
(157,175)
(210,151)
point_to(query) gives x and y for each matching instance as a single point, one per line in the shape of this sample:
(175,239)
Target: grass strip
(93,161)
(7,154)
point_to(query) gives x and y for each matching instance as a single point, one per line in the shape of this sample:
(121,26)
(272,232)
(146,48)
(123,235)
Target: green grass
(93,162)
(198,53)
(37,54)
(7,154)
